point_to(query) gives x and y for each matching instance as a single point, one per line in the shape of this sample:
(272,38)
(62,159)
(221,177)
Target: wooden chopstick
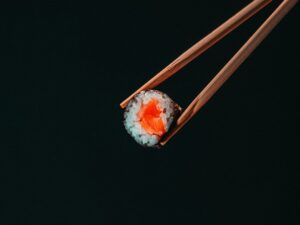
(201,46)
(231,66)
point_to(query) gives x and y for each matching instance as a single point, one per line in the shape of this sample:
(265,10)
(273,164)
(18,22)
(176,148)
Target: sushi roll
(149,115)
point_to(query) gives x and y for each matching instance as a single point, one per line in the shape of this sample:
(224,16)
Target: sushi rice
(162,112)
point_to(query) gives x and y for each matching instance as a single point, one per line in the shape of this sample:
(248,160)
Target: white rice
(132,121)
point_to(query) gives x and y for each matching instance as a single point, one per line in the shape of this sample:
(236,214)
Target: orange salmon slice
(150,119)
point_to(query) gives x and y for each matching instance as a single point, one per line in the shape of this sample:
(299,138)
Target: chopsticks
(201,46)
(231,66)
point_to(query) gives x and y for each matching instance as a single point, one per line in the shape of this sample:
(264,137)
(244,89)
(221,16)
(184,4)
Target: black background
(66,157)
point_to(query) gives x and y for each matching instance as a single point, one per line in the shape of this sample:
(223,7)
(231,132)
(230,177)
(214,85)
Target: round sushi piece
(149,115)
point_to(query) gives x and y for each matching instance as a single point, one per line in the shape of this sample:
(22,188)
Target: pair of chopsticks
(231,66)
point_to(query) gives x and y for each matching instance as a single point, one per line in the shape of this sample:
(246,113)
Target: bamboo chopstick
(231,66)
(201,46)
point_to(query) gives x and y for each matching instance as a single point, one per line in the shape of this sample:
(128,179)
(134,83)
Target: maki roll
(149,115)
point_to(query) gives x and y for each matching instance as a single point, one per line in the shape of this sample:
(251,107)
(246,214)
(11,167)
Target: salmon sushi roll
(149,115)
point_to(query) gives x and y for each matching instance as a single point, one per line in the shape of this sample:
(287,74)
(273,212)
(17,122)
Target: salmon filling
(150,119)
